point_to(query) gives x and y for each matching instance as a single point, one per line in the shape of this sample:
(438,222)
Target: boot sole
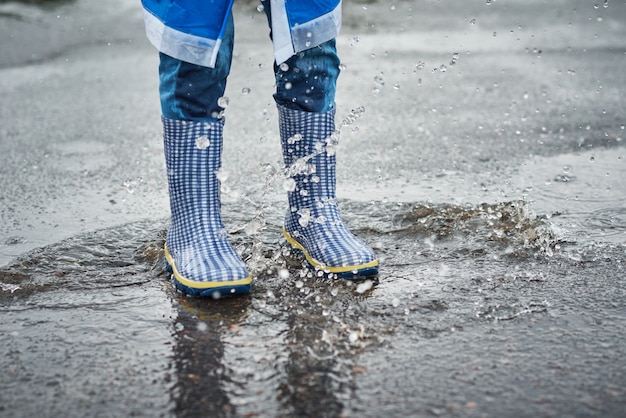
(206,289)
(357,272)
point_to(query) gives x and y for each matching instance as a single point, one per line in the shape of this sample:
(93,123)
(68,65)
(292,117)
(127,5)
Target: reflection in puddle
(95,324)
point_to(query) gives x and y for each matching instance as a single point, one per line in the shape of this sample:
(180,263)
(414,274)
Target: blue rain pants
(306,81)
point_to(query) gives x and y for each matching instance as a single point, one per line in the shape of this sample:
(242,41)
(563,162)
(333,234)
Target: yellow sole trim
(322,266)
(202,285)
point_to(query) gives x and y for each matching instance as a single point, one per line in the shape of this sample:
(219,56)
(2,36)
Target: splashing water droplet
(473,22)
(222,175)
(289,185)
(284,274)
(223,101)
(260,8)
(288,86)
(253,227)
(245,91)
(203,142)
(296,138)
(305,217)
(284,66)
(364,286)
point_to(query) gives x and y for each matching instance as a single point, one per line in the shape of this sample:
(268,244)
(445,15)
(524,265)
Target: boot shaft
(193,152)
(308,143)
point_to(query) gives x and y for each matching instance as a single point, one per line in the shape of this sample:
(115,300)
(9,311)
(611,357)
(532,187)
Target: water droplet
(289,185)
(245,91)
(260,8)
(488,2)
(299,284)
(223,101)
(353,337)
(203,142)
(305,217)
(222,174)
(292,140)
(283,274)
(392,7)
(379,80)
(288,86)
(395,302)
(473,22)
(342,67)
(364,286)
(356,38)
(592,159)
(284,66)
(253,227)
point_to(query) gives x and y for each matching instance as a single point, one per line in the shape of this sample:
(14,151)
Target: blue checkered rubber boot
(312,223)
(197,250)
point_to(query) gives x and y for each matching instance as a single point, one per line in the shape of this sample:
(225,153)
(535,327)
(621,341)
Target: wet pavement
(481,154)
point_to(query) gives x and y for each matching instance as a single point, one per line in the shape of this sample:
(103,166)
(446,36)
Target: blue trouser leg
(308,80)
(190,91)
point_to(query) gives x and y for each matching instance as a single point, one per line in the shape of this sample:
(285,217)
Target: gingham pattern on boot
(197,247)
(312,223)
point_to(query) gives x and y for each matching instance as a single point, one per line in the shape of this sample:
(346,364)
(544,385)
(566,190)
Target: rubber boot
(313,224)
(197,250)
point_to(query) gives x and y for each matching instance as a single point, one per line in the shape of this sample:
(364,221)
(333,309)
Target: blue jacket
(192,30)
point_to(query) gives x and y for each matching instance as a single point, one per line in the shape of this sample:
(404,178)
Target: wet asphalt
(482,155)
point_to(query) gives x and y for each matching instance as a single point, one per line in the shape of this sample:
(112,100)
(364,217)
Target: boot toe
(200,274)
